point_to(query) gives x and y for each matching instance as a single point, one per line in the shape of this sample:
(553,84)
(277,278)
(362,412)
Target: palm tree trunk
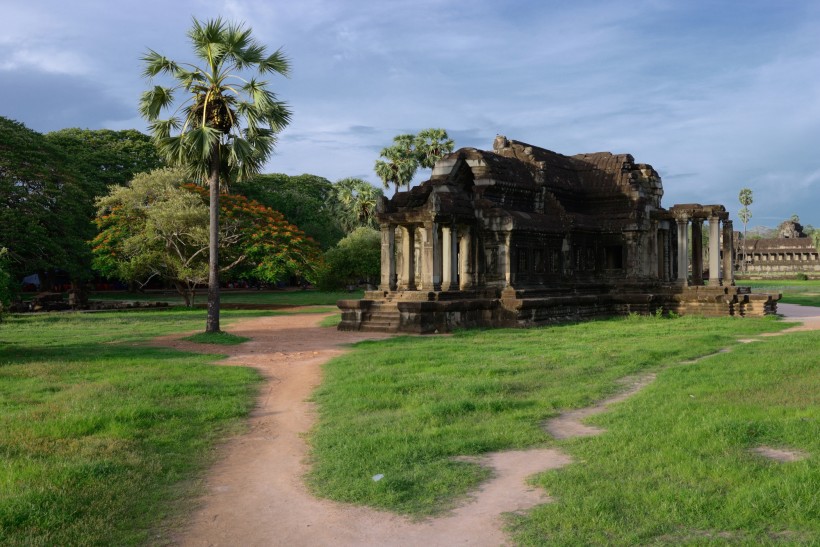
(212,321)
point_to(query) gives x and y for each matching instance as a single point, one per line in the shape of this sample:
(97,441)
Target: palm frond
(201,141)
(276,62)
(154,100)
(161,129)
(157,64)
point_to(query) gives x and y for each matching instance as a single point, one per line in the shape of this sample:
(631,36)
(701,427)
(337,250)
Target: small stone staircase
(381,317)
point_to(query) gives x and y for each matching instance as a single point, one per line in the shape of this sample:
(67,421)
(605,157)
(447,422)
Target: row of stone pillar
(720,270)
(446,258)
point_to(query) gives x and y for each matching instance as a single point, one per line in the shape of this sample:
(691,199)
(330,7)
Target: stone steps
(382,317)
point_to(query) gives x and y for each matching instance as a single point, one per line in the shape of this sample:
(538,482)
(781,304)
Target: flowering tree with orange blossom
(157,227)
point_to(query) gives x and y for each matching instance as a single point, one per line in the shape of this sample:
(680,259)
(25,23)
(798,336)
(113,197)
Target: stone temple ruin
(522,236)
(792,252)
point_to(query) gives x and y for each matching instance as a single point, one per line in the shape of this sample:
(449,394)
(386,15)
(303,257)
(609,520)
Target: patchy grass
(100,435)
(804,293)
(272,298)
(222,338)
(405,407)
(331,320)
(676,465)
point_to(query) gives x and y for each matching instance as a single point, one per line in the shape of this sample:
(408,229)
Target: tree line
(213,122)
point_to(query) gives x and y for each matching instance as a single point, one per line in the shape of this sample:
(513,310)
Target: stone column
(431,258)
(633,254)
(465,256)
(408,251)
(683,250)
(714,251)
(388,277)
(663,251)
(447,258)
(505,260)
(453,257)
(728,253)
(697,251)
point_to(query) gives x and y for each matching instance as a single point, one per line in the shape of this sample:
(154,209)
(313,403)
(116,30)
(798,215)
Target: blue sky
(716,95)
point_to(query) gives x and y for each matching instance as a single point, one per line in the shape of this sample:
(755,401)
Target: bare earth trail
(254,494)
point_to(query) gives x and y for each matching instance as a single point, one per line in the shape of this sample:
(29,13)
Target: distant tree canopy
(307,201)
(45,205)
(105,157)
(158,227)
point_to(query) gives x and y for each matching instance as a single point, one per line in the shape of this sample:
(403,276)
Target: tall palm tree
(402,162)
(224,128)
(745,214)
(432,145)
(357,199)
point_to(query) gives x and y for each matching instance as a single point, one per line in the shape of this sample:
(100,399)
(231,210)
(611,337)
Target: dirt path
(254,495)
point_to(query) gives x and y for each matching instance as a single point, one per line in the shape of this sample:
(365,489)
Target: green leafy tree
(45,207)
(745,215)
(104,157)
(356,201)
(225,128)
(357,258)
(307,201)
(156,227)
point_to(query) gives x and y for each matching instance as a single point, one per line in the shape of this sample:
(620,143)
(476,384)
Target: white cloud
(46,60)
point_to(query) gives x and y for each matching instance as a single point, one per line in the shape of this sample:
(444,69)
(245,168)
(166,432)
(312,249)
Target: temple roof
(534,186)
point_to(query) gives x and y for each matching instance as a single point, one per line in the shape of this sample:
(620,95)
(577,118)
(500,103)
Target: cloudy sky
(716,95)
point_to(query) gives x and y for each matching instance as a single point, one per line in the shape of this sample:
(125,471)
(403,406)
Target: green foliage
(156,227)
(306,200)
(101,436)
(226,113)
(45,206)
(356,202)
(356,258)
(408,153)
(405,407)
(104,157)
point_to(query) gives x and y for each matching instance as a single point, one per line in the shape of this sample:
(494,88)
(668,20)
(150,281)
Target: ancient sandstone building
(521,236)
(787,255)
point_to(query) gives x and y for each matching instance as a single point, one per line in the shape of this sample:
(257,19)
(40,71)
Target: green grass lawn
(805,293)
(673,467)
(100,436)
(274,298)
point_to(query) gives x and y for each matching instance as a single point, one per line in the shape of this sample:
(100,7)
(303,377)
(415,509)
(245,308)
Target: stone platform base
(428,312)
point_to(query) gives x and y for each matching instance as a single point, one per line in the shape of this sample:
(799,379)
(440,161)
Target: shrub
(802,277)
(355,259)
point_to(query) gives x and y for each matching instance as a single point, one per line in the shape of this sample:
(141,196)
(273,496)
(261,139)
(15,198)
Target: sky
(716,95)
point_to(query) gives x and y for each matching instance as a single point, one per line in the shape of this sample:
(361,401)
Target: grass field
(101,436)
(673,468)
(805,293)
(273,298)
